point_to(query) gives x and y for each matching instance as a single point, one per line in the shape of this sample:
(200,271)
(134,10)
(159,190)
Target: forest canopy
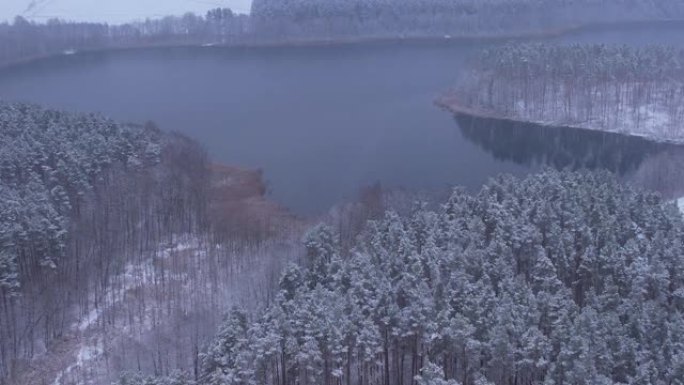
(48,161)
(559,278)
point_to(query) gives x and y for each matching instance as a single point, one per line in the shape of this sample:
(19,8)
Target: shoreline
(450,103)
(344,41)
(239,203)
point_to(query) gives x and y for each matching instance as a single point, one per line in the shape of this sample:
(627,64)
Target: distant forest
(277,21)
(411,18)
(22,39)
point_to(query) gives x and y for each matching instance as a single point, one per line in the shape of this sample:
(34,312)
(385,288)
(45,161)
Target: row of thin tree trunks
(609,103)
(400,363)
(127,215)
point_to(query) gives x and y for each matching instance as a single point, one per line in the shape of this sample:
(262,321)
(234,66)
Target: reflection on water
(646,164)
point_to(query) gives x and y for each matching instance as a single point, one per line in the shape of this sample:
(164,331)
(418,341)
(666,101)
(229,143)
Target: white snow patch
(85,354)
(86,357)
(133,276)
(652,121)
(186,245)
(680,203)
(136,275)
(89,352)
(89,319)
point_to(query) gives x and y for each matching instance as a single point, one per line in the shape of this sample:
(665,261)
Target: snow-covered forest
(75,192)
(559,278)
(436,18)
(277,21)
(635,91)
(23,39)
(129,257)
(112,264)
(107,247)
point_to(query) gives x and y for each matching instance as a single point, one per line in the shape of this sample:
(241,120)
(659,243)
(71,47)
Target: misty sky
(111,11)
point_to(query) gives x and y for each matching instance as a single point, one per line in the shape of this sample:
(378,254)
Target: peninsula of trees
(634,91)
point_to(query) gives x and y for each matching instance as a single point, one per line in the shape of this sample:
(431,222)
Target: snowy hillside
(111,11)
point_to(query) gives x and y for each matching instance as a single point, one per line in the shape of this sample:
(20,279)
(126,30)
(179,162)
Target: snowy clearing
(119,11)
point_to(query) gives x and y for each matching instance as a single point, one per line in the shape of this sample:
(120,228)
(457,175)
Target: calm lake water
(324,121)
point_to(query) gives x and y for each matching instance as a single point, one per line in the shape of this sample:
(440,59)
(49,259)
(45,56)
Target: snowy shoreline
(451,103)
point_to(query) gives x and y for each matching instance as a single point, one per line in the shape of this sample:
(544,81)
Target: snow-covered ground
(111,11)
(135,276)
(86,353)
(680,202)
(159,304)
(657,117)
(653,121)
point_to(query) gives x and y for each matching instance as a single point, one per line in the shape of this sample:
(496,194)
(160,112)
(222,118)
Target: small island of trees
(635,91)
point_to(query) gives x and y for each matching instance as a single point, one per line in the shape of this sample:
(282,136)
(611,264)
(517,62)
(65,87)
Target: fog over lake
(321,121)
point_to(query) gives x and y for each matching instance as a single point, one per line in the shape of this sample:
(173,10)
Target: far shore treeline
(296,21)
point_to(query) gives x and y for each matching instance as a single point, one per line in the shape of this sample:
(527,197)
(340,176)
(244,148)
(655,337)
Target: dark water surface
(324,121)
